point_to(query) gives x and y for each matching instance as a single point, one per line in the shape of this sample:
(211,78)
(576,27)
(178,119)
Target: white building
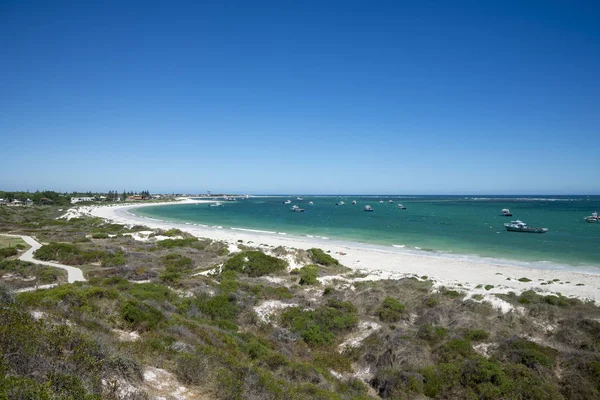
(80,199)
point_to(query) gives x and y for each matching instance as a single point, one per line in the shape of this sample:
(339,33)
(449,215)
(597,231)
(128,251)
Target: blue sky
(425,97)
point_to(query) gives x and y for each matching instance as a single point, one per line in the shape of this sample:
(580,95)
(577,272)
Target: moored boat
(592,218)
(353,201)
(401,207)
(310,203)
(506,212)
(368,208)
(287,202)
(340,203)
(390,201)
(297,209)
(520,226)
(217,204)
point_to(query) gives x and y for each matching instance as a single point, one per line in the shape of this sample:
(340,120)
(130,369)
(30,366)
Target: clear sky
(405,97)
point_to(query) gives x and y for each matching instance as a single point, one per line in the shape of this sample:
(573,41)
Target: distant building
(135,198)
(81,199)
(28,202)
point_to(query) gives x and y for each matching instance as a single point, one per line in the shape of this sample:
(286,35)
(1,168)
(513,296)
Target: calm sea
(457,225)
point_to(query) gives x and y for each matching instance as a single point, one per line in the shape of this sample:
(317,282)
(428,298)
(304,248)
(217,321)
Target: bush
(254,263)
(8,252)
(308,275)
(320,257)
(318,327)
(432,334)
(528,353)
(141,316)
(477,335)
(391,310)
(176,265)
(99,235)
(524,280)
(68,254)
(171,243)
(113,259)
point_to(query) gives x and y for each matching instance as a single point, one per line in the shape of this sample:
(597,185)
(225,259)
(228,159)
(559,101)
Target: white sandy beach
(382,262)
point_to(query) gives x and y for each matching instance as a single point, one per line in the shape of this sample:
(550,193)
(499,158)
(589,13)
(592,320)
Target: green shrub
(308,275)
(489,287)
(172,243)
(68,254)
(432,334)
(254,263)
(528,353)
(524,279)
(99,235)
(218,307)
(141,316)
(150,291)
(176,265)
(113,259)
(391,310)
(320,257)
(8,252)
(476,335)
(318,327)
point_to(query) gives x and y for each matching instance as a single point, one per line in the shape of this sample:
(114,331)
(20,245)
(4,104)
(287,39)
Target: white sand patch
(164,383)
(269,307)
(364,329)
(233,248)
(483,349)
(120,387)
(125,336)
(37,315)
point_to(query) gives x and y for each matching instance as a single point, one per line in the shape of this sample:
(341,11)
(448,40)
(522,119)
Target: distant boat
(401,207)
(390,201)
(310,203)
(217,204)
(520,226)
(592,218)
(340,203)
(297,209)
(299,198)
(368,208)
(506,212)
(380,201)
(287,202)
(353,201)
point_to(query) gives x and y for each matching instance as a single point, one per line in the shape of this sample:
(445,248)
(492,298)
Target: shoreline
(457,273)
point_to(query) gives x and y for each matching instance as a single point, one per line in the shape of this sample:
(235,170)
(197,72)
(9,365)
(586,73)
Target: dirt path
(74,274)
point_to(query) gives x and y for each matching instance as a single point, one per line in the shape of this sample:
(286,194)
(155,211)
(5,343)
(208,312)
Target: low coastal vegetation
(241,326)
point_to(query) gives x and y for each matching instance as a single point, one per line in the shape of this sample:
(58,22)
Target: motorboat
(217,204)
(340,203)
(506,212)
(390,201)
(299,198)
(310,203)
(401,207)
(287,202)
(380,201)
(592,218)
(353,201)
(368,208)
(520,226)
(297,209)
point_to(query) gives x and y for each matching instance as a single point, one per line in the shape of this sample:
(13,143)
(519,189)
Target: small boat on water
(506,212)
(390,201)
(217,204)
(340,203)
(299,198)
(310,203)
(295,208)
(592,218)
(520,226)
(353,201)
(368,208)
(401,207)
(287,202)
(380,201)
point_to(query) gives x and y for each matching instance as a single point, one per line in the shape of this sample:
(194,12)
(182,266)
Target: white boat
(400,206)
(592,218)
(299,198)
(310,203)
(297,209)
(390,201)
(368,208)
(217,204)
(340,203)
(380,201)
(287,202)
(506,212)
(520,226)
(353,201)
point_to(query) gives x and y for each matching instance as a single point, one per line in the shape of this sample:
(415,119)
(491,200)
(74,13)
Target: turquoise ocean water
(457,225)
